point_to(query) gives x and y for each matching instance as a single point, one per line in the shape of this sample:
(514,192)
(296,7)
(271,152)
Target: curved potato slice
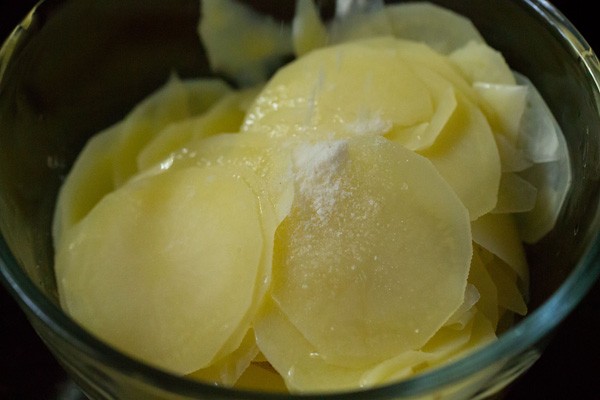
(225,116)
(355,267)
(90,179)
(439,28)
(155,287)
(303,98)
(466,155)
(498,234)
(296,359)
(308,31)
(173,102)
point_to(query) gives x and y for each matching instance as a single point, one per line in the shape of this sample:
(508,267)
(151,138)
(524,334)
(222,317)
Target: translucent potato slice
(439,28)
(155,287)
(260,376)
(303,98)
(466,155)
(498,234)
(175,101)
(225,116)
(505,106)
(296,359)
(365,281)
(515,195)
(248,58)
(91,178)
(227,371)
(481,63)
(268,160)
(308,31)
(481,279)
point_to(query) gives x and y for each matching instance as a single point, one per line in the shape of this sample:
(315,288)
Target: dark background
(569,368)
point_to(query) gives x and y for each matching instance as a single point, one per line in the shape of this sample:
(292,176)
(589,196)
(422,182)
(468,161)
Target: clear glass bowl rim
(518,339)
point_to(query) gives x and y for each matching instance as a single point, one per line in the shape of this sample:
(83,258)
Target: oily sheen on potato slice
(226,115)
(303,98)
(374,256)
(165,268)
(174,101)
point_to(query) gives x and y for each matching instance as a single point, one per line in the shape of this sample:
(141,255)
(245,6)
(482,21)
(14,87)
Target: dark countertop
(567,370)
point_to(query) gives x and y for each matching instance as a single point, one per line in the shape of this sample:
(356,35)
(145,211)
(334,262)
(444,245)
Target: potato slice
(225,116)
(227,371)
(171,289)
(268,159)
(498,234)
(247,58)
(175,101)
(466,155)
(515,195)
(303,99)
(260,376)
(481,63)
(296,359)
(439,28)
(90,179)
(308,31)
(481,279)
(505,105)
(355,268)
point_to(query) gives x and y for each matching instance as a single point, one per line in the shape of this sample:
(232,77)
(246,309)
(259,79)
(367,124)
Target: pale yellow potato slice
(260,376)
(466,155)
(354,268)
(505,105)
(295,359)
(511,294)
(488,292)
(90,179)
(498,234)
(165,268)
(308,31)
(515,195)
(512,159)
(268,159)
(240,42)
(225,116)
(227,371)
(481,63)
(175,101)
(303,99)
(439,28)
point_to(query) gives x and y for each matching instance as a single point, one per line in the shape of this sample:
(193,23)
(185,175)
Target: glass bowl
(74,67)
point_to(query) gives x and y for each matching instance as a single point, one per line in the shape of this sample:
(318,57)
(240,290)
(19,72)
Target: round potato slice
(165,268)
(304,98)
(374,256)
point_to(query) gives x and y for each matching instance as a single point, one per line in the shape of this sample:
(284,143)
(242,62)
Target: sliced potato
(366,281)
(466,155)
(225,116)
(173,102)
(247,58)
(308,31)
(439,28)
(172,289)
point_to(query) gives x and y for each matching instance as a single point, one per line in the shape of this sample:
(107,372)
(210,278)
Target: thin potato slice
(481,279)
(295,358)
(90,180)
(439,28)
(498,234)
(308,31)
(515,195)
(173,102)
(481,63)
(303,98)
(367,281)
(269,160)
(248,58)
(261,376)
(466,155)
(505,105)
(155,287)
(225,116)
